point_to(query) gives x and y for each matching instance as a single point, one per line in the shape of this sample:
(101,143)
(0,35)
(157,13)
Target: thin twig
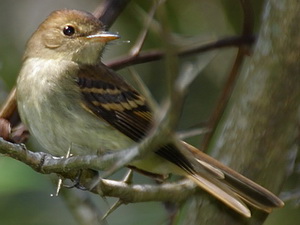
(137,47)
(153,55)
(82,207)
(192,132)
(248,24)
(143,88)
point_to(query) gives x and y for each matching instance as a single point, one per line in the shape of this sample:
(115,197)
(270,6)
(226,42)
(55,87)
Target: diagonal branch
(248,26)
(109,11)
(153,55)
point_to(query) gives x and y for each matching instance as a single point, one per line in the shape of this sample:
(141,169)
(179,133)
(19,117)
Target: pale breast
(49,105)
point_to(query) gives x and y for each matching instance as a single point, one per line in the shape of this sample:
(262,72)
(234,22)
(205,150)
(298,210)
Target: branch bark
(69,167)
(258,132)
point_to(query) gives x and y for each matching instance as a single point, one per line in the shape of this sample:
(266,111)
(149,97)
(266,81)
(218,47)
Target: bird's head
(69,35)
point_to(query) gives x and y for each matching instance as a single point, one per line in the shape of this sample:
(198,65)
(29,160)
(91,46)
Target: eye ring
(69,30)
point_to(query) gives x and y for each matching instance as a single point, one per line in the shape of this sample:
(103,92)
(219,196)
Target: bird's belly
(59,122)
(84,134)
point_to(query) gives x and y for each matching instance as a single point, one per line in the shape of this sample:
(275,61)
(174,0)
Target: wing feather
(111,98)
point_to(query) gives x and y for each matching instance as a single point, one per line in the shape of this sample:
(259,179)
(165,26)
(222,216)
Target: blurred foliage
(25,194)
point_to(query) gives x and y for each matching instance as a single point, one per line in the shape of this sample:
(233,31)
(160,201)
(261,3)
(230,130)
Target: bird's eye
(69,30)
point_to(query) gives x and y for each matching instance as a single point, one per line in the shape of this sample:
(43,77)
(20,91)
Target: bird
(67,97)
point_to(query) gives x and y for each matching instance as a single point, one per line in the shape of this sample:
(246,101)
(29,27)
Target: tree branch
(68,168)
(153,55)
(109,11)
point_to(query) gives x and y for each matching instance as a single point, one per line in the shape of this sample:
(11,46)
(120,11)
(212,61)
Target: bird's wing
(110,98)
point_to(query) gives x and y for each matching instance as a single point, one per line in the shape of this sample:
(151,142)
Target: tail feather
(233,187)
(223,193)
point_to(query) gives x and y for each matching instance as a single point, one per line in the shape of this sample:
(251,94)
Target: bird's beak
(103,37)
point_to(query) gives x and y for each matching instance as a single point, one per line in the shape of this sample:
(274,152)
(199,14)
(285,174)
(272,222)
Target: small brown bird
(67,97)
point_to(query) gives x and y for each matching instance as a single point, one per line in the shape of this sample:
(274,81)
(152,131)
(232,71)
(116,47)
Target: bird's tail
(231,187)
